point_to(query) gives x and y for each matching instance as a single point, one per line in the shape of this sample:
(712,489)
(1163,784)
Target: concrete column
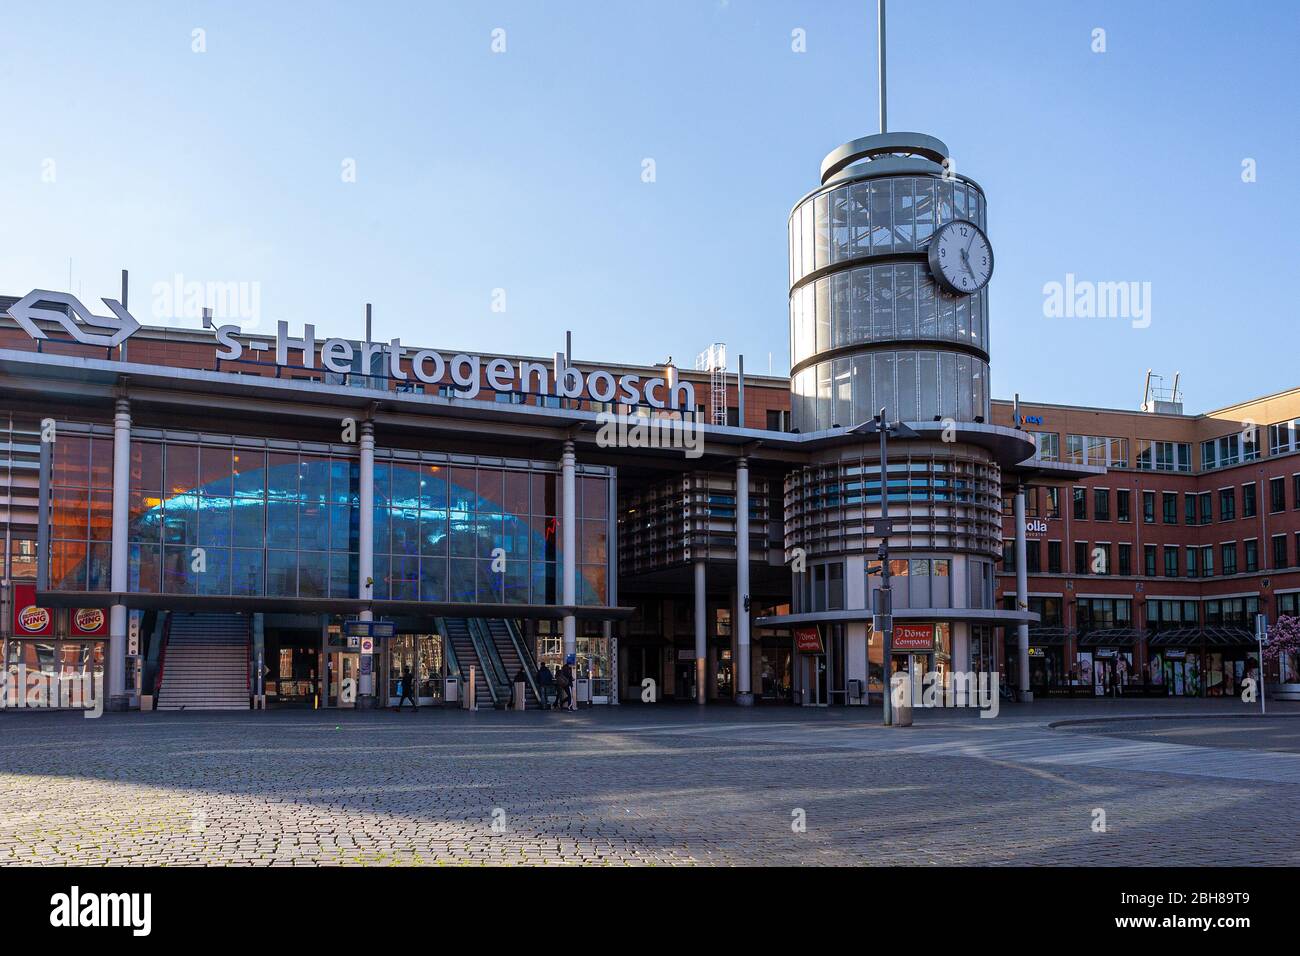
(1022,596)
(701,641)
(569,544)
(366,533)
(744,694)
(119,569)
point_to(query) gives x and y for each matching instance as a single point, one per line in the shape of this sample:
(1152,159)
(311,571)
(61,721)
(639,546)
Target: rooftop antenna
(880,57)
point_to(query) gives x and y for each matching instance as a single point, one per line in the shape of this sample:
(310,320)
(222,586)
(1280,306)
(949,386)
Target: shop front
(53,657)
(1104,662)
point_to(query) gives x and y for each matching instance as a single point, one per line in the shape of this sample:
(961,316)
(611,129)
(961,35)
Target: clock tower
(889,266)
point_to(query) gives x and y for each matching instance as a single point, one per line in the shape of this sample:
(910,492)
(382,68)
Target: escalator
(514,656)
(496,650)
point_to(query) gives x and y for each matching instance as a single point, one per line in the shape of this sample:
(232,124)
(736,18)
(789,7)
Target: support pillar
(118,698)
(744,694)
(701,641)
(366,547)
(1022,597)
(569,546)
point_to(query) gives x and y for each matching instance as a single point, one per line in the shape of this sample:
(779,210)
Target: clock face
(961,257)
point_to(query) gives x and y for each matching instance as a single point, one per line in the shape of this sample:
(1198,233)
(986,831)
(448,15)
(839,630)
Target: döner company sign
(341,356)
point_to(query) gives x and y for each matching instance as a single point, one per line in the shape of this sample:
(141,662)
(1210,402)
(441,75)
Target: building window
(1080,504)
(1276,495)
(1169,501)
(1282,437)
(1207,507)
(778,420)
(1232,612)
(1228,450)
(1149,560)
(1081,557)
(1189,508)
(1207,561)
(1229,555)
(1164,455)
(1248,500)
(1122,499)
(1227,504)
(1101,504)
(1104,613)
(1165,614)
(1149,507)
(1047,446)
(1053,557)
(1295,490)
(1125,559)
(1252,556)
(1096,450)
(1192,561)
(1033,557)
(1009,556)
(1053,502)
(1171,562)
(1279,551)
(1100,558)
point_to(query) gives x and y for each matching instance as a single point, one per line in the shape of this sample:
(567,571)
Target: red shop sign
(913,637)
(30,620)
(808,640)
(89,621)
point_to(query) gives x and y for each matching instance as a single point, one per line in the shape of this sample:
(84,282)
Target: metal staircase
(204,663)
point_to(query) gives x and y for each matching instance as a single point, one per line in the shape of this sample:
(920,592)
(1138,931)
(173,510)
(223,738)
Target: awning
(1110,637)
(1212,636)
(1048,636)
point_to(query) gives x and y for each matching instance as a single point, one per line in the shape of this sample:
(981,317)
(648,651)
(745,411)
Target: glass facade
(946,502)
(217,515)
(915,386)
(882,303)
(858,325)
(81,513)
(876,216)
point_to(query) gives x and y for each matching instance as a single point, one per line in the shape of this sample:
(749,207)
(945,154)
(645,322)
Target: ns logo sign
(102,330)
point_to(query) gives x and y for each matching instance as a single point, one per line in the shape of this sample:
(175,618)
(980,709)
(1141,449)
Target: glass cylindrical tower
(870,327)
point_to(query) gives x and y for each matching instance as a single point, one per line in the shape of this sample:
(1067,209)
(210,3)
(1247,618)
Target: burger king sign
(30,620)
(89,620)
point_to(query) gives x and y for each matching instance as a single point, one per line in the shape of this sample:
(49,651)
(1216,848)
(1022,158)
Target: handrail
(525,657)
(162,655)
(494,669)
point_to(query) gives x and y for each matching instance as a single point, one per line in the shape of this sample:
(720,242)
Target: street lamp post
(884,528)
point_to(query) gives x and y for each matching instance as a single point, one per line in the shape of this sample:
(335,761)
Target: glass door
(344,670)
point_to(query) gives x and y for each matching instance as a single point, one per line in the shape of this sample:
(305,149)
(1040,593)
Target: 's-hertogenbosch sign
(401,363)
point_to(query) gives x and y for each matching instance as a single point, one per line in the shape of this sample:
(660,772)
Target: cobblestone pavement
(1256,733)
(631,785)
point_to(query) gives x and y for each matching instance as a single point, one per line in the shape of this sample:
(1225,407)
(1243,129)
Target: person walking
(407,691)
(566,682)
(546,681)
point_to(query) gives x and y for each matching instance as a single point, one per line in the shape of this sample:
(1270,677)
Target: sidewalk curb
(1132,717)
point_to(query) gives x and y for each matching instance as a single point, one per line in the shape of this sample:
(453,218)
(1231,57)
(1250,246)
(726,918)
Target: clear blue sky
(522,170)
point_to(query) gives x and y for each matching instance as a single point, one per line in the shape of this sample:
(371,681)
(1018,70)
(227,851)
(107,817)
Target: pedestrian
(563,687)
(406,691)
(520,678)
(566,683)
(546,681)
